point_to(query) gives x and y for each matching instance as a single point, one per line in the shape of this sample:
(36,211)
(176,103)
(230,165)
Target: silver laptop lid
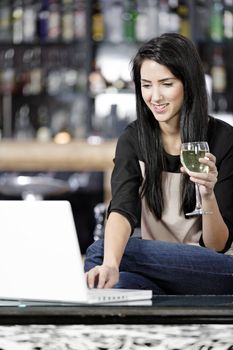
(40,257)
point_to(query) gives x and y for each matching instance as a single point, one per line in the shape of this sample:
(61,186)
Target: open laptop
(40,259)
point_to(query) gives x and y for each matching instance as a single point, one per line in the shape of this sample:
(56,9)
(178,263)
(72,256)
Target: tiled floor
(117,337)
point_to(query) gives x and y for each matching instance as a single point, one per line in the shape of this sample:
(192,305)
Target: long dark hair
(180,56)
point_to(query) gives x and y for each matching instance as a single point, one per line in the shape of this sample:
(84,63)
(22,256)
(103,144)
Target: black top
(127,175)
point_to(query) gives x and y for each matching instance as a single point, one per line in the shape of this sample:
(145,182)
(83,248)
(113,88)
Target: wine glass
(190,154)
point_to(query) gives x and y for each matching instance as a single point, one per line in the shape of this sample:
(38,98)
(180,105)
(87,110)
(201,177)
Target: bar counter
(78,155)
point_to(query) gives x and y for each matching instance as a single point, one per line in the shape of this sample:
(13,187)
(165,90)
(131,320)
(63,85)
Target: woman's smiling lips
(159,108)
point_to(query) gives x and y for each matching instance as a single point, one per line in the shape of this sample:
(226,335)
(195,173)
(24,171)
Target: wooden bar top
(77,155)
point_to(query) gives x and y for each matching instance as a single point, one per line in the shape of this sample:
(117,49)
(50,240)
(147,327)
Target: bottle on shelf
(97,82)
(43,21)
(216,21)
(43,132)
(174,18)
(29,21)
(218,71)
(98,29)
(23,126)
(31,76)
(183,12)
(54,21)
(219,80)
(80,23)
(60,126)
(36,72)
(129,20)
(141,25)
(7,72)
(67,21)
(164,17)
(228,19)
(113,21)
(53,80)
(5,21)
(202,17)
(17,21)
(146,24)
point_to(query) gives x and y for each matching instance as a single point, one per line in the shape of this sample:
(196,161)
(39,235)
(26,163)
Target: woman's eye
(167,84)
(146,86)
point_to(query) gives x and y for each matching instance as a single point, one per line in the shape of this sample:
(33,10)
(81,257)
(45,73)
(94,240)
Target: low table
(163,310)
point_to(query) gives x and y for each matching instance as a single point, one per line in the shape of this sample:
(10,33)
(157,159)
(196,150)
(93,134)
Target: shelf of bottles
(43,69)
(119,27)
(65,64)
(215,42)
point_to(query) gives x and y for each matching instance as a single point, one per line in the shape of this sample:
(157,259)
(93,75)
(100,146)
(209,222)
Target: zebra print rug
(117,337)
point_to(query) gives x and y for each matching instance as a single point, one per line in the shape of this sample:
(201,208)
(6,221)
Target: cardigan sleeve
(126,178)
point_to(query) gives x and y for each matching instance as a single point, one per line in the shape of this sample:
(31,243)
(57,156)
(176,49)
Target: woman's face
(162,92)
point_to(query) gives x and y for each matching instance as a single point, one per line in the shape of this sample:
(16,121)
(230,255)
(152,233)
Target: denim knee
(130,280)
(94,255)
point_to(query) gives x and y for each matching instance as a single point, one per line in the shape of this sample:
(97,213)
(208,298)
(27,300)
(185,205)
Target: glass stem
(198,197)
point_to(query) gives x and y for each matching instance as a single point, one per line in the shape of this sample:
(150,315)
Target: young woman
(175,254)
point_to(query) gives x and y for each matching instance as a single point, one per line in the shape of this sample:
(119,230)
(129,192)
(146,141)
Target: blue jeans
(169,268)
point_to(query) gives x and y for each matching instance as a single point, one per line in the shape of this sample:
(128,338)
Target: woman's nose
(156,95)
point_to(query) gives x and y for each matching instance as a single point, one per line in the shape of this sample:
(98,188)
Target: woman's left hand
(206,181)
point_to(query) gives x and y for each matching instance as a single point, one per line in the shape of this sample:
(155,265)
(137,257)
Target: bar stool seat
(32,187)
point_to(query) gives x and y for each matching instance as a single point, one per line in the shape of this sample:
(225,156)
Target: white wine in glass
(190,154)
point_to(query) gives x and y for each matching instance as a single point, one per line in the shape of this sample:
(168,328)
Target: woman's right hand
(102,276)
(117,233)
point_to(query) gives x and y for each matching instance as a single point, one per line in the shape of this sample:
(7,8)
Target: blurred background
(65,77)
